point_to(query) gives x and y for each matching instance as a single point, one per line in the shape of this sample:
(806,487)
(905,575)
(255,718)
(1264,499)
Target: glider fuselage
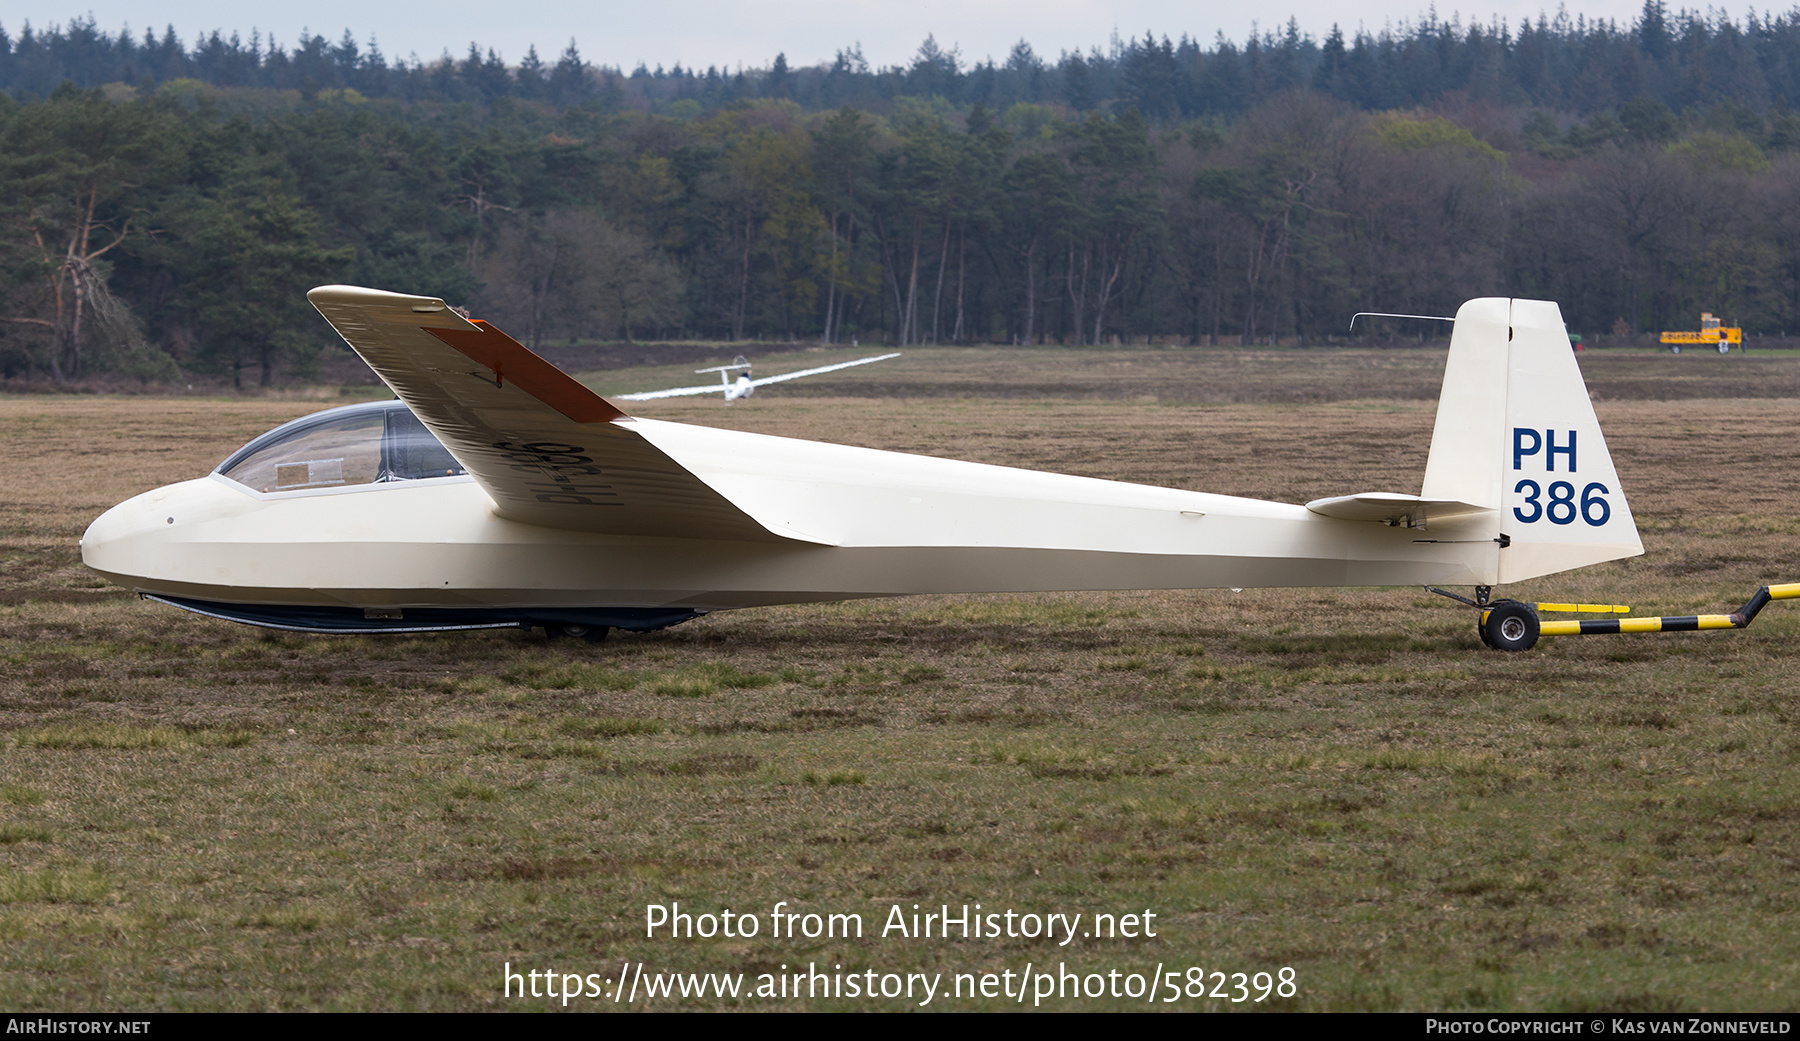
(886,524)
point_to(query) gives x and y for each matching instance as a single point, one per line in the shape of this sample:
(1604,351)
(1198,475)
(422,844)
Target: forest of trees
(164,207)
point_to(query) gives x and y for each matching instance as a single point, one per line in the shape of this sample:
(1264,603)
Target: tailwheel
(591,633)
(1509,626)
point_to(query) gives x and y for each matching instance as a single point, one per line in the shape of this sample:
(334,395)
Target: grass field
(199,815)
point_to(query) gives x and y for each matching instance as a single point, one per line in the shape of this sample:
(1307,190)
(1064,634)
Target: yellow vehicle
(1712,331)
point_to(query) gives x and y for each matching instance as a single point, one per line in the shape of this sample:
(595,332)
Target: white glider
(744,386)
(497,491)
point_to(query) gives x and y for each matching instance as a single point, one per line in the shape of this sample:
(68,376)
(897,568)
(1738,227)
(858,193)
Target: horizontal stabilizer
(1393,508)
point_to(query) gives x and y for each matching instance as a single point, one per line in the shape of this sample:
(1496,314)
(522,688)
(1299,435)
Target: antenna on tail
(1386,314)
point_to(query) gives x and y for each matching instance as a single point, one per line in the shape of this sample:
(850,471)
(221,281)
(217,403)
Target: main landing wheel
(1510,626)
(590,633)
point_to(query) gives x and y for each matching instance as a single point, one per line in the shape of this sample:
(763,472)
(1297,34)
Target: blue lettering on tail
(1553,452)
(1527,441)
(1519,449)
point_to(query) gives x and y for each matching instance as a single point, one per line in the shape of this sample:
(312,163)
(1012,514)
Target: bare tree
(68,169)
(571,273)
(1640,203)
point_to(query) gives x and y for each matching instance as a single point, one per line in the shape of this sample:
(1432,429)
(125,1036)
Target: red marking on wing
(512,360)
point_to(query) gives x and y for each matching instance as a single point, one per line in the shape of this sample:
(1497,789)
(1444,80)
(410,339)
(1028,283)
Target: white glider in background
(744,386)
(497,491)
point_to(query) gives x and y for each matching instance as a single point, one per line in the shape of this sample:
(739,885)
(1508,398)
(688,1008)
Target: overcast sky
(733,32)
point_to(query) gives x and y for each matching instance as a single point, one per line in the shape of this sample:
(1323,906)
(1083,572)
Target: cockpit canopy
(371,443)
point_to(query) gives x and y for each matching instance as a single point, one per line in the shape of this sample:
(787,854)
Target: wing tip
(364,297)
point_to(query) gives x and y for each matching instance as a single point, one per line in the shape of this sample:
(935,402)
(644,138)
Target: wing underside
(547,449)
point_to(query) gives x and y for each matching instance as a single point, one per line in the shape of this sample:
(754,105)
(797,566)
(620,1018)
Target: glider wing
(719,388)
(678,392)
(823,368)
(547,449)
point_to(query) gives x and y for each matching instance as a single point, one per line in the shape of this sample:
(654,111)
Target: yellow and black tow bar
(1518,628)
(1688,623)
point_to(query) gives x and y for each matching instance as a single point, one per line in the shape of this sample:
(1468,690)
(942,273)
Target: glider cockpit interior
(342,447)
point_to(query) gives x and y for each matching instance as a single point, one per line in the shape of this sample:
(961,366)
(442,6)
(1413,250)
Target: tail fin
(1516,432)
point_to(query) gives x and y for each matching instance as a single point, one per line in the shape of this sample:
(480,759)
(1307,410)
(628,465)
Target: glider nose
(107,543)
(128,540)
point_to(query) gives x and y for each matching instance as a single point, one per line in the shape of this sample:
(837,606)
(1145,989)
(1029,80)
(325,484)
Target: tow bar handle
(1739,619)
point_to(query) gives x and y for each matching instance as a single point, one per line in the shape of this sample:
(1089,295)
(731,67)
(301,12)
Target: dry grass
(200,815)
